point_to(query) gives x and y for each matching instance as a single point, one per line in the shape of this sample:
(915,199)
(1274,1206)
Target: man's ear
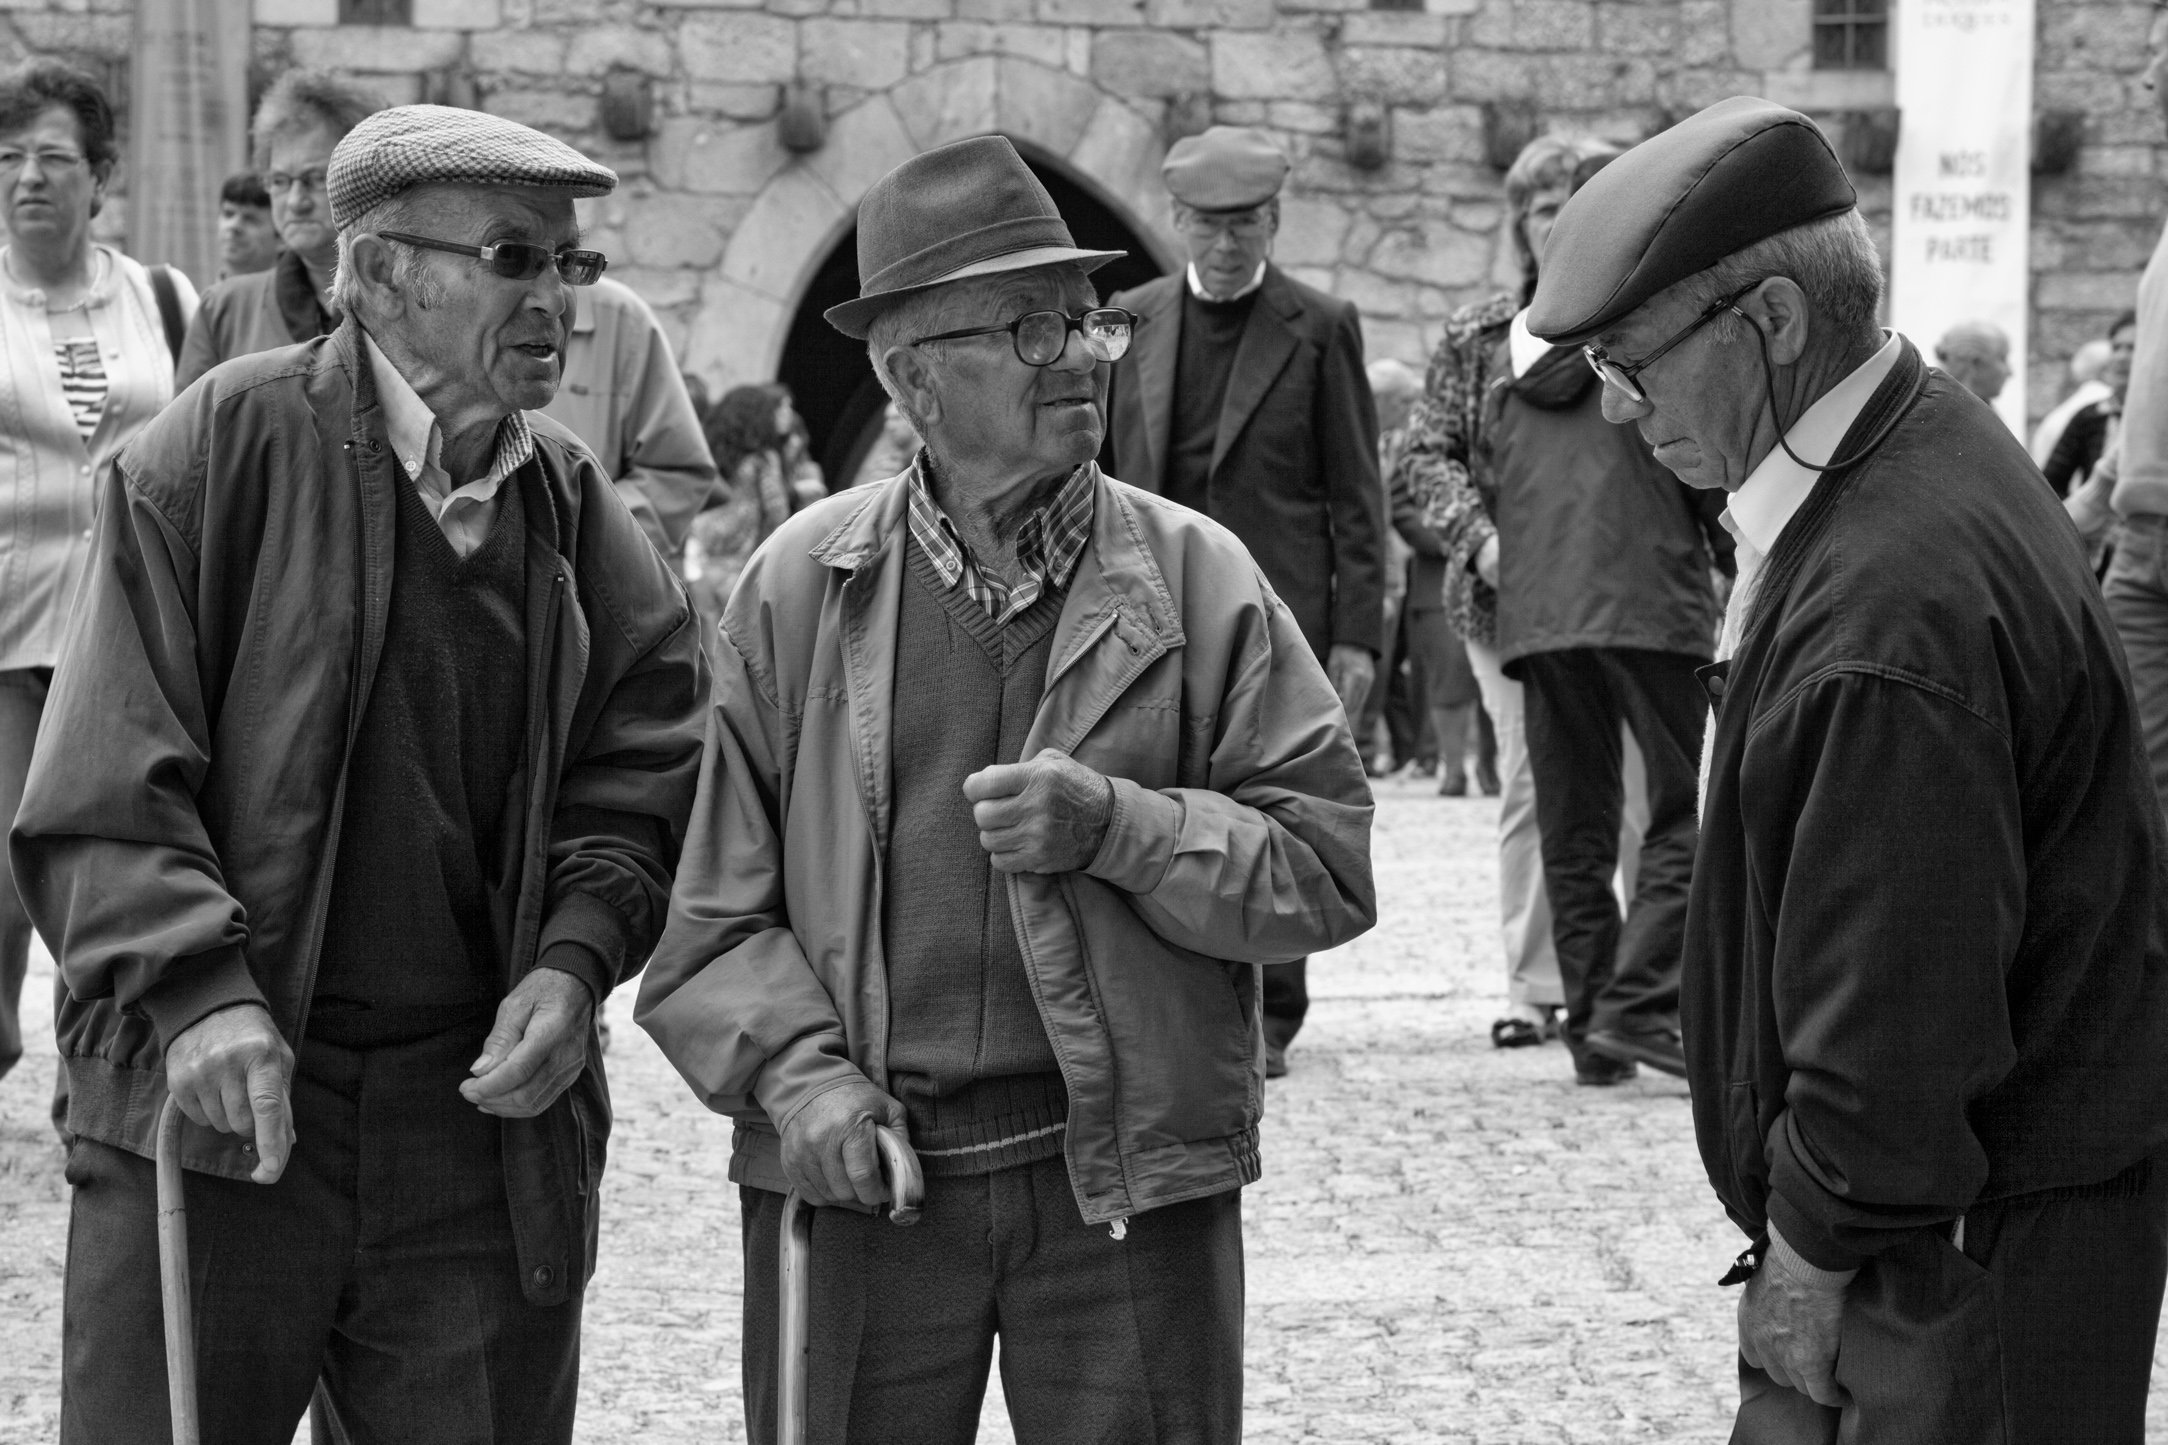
(913,373)
(370,257)
(1781,307)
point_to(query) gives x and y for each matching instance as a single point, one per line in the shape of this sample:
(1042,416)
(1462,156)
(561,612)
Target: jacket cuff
(199,985)
(1789,1261)
(797,1076)
(1139,845)
(1807,1238)
(584,924)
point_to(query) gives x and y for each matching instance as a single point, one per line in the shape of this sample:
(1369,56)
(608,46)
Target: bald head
(1978,355)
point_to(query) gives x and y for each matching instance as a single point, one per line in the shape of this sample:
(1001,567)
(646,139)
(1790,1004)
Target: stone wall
(721,227)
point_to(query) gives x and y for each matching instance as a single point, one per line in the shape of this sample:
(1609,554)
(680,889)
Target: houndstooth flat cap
(419,145)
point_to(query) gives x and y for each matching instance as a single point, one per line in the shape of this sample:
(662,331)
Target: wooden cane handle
(906,1182)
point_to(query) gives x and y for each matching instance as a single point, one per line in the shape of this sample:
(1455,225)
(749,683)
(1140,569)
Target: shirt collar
(1051,541)
(103,273)
(1777,488)
(417,439)
(1196,285)
(1523,346)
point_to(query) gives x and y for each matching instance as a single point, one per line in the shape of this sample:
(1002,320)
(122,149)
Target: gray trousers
(2137,591)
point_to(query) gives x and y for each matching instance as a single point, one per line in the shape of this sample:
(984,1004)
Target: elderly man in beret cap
(1245,398)
(362,783)
(1015,774)
(1926,997)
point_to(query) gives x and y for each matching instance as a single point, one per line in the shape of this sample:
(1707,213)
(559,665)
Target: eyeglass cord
(1769,382)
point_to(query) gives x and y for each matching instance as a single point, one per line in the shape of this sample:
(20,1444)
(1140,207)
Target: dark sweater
(967,1053)
(410,943)
(1211,334)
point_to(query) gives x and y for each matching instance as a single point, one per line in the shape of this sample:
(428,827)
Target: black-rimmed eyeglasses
(519,260)
(1621,374)
(1040,337)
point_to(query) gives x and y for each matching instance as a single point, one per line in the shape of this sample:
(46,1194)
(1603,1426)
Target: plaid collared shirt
(1048,545)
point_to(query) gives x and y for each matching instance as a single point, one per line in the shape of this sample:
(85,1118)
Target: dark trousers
(2040,1329)
(1135,1340)
(381,1260)
(1285,1000)
(22,703)
(1616,973)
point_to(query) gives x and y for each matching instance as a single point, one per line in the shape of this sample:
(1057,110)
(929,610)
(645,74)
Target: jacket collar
(304,315)
(1268,340)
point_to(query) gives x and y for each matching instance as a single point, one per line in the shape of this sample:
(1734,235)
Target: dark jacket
(1924,959)
(243,315)
(178,833)
(1599,545)
(2078,450)
(1295,469)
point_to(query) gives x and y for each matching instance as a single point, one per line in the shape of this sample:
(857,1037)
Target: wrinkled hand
(1788,1321)
(231,1071)
(1486,561)
(1048,815)
(828,1151)
(1351,670)
(536,1048)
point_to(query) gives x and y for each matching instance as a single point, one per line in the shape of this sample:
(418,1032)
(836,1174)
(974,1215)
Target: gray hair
(1833,261)
(304,100)
(937,309)
(400,213)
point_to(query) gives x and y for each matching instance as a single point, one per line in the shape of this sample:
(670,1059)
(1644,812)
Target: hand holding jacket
(1048,815)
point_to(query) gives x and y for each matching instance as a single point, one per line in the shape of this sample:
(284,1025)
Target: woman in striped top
(84,364)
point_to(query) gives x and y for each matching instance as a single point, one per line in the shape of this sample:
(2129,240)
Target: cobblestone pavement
(1449,1244)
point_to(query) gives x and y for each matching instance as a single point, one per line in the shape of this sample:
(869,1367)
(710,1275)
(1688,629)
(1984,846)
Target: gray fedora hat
(970,208)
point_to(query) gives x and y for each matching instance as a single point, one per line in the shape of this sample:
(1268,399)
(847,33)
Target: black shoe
(1657,1047)
(1595,1071)
(1486,779)
(1275,1060)
(1515,1034)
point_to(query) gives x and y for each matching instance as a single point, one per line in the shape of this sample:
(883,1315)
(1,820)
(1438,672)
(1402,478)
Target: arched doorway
(828,372)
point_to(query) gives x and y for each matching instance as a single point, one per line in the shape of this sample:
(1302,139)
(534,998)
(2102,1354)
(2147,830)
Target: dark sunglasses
(1621,374)
(519,260)
(1040,337)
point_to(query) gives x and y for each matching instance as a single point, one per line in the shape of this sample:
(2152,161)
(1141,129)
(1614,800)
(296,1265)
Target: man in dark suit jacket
(1244,397)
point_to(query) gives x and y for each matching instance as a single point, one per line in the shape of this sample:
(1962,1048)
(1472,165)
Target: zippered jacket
(1240,836)
(179,831)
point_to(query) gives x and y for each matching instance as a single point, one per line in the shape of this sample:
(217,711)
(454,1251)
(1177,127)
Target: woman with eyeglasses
(301,119)
(88,362)
(1579,573)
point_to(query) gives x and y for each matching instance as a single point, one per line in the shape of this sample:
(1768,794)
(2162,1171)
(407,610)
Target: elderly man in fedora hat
(1925,995)
(1015,775)
(362,783)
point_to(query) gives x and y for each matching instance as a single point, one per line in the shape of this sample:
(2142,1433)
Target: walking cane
(794,1278)
(173,1279)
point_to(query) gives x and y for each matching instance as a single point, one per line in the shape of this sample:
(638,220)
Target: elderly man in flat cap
(1926,997)
(1245,398)
(362,781)
(1015,774)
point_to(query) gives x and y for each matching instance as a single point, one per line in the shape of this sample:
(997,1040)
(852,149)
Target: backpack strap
(169,308)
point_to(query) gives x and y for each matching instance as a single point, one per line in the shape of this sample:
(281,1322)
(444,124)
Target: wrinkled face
(2117,372)
(1011,418)
(1537,221)
(1227,247)
(501,341)
(247,241)
(1704,396)
(51,190)
(2156,60)
(1978,366)
(300,207)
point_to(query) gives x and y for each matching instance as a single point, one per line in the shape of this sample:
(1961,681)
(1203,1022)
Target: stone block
(947,102)
(674,230)
(285,12)
(1394,27)
(1434,252)
(705,4)
(741,48)
(2096,37)
(689,154)
(2086,290)
(869,54)
(735,337)
(1373,294)
(865,143)
(1122,151)
(962,39)
(401,89)
(1704,33)
(1636,30)
(1046,106)
(785,235)
(1395,338)
(1439,133)
(1076,49)
(1827,90)
(457,14)
(1362,235)
(1289,64)
(1399,75)
(1689,90)
(907,9)
(45,31)
(662,290)
(2083,197)
(1311,231)
(1771,34)
(394,49)
(1209,14)
(1480,217)
(2130,160)
(1319,276)
(738,100)
(1091,12)
(1149,62)
(1480,75)
(559,112)
(595,51)
(1001,10)
(1303,117)
(1241,112)
(521,52)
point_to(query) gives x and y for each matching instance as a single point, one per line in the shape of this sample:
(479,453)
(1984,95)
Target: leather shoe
(1595,1071)
(1657,1047)
(1275,1060)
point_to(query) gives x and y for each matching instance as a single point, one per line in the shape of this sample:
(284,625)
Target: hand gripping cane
(794,1278)
(173,1279)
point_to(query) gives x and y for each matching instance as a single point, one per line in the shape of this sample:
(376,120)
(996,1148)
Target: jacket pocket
(1744,1149)
(1920,1346)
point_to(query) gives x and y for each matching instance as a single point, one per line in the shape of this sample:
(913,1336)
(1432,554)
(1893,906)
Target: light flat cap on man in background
(1015,774)
(381,725)
(1925,1004)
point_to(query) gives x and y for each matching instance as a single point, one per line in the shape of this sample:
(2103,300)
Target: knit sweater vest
(1211,335)
(967,1053)
(410,947)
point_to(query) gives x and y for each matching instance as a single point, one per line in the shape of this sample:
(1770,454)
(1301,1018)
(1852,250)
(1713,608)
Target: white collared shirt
(1196,285)
(1523,347)
(463,514)
(1766,502)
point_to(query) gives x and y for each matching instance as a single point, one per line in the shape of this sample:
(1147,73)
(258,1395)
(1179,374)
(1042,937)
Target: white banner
(1961,208)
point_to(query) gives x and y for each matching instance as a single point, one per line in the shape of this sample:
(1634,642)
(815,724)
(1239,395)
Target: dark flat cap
(1678,203)
(1227,168)
(969,208)
(422,145)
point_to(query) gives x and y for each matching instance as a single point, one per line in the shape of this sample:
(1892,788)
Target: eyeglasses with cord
(1040,337)
(518,260)
(1621,374)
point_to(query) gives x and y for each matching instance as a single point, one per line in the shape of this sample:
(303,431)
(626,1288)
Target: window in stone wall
(376,12)
(1851,34)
